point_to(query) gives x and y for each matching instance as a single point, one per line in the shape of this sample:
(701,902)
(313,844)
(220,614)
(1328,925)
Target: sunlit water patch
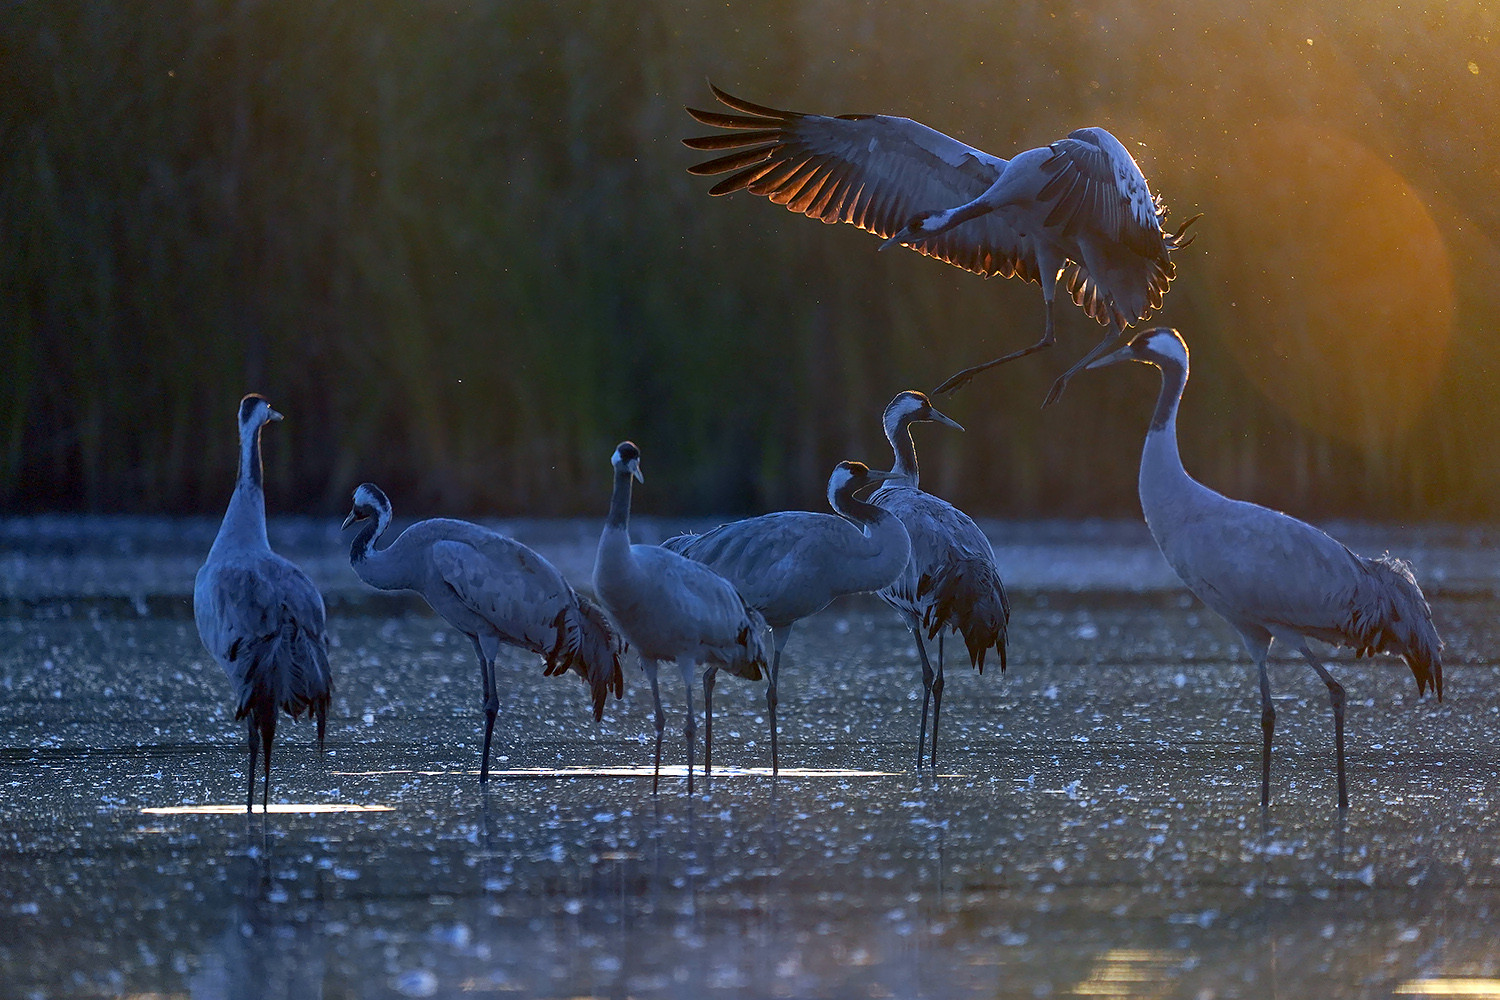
(1456,986)
(225,809)
(641,771)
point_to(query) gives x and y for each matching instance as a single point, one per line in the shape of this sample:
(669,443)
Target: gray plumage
(259,615)
(494,590)
(792,564)
(1269,575)
(951,581)
(1078,208)
(671,608)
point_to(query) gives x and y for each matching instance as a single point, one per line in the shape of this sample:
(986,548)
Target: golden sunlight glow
(1130,972)
(276,807)
(1455,986)
(1334,278)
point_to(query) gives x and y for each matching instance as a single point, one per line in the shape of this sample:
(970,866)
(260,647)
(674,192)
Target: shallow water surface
(1093,828)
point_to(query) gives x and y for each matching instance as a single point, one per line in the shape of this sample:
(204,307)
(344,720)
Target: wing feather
(507,584)
(873,171)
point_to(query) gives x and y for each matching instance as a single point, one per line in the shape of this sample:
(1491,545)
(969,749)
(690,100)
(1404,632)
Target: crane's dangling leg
(1112,337)
(956,382)
(1267,728)
(779,635)
(1336,697)
(690,728)
(937,701)
(661,720)
(253,730)
(1049,270)
(267,737)
(927,675)
(491,704)
(709,676)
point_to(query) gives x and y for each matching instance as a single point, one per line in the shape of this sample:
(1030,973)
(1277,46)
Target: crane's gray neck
(619,502)
(898,433)
(245,520)
(250,467)
(1162,476)
(864,515)
(383,569)
(1173,381)
(369,533)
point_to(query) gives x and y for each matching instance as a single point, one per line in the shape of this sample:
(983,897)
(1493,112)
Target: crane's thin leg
(491,705)
(689,728)
(1267,728)
(1110,339)
(958,381)
(779,636)
(267,736)
(1049,272)
(927,675)
(254,749)
(1336,696)
(661,721)
(937,700)
(709,676)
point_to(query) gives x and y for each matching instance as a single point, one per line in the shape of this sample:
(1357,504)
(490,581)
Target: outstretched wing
(872,171)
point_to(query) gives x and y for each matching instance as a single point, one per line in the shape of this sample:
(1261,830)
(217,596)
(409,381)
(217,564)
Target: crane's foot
(1055,393)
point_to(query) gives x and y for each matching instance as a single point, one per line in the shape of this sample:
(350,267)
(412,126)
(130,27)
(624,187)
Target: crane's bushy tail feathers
(588,645)
(1390,614)
(750,653)
(286,669)
(967,595)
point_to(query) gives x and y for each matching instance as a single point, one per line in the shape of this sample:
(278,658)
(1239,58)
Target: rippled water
(1093,829)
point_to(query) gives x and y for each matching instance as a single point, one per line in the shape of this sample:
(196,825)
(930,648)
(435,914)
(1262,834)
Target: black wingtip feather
(739,181)
(732,161)
(749,108)
(732,140)
(719,119)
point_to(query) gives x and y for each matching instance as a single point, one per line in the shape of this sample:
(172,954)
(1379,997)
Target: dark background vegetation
(458,248)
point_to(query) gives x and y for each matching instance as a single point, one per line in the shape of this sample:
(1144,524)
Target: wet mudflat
(1093,828)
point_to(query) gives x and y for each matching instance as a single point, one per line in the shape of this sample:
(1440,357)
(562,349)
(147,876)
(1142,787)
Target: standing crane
(258,614)
(671,608)
(951,581)
(494,590)
(1078,208)
(792,564)
(1269,575)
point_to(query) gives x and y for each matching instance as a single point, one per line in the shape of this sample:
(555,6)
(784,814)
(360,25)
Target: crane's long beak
(1113,358)
(943,418)
(273,415)
(353,516)
(635,470)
